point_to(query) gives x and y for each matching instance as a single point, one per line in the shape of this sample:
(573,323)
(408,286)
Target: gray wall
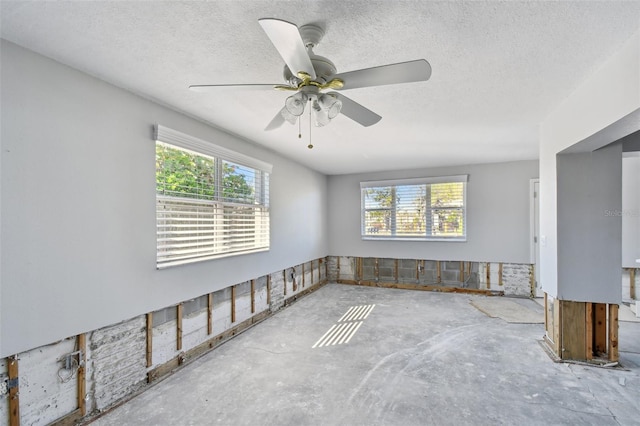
(589,229)
(77,210)
(630,209)
(497,216)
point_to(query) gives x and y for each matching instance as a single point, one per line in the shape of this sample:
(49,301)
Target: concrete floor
(418,358)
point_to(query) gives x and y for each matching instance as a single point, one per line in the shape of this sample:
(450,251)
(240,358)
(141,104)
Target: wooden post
(376,270)
(149,339)
(557,319)
(613,333)
(417,270)
(500,274)
(179,326)
(233,302)
(253,296)
(461,271)
(82,384)
(439,277)
(269,290)
(210,313)
(599,328)
(488,275)
(632,283)
(14,395)
(588,318)
(546,312)
(395,269)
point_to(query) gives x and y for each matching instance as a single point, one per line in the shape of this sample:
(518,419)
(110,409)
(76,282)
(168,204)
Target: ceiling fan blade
(277,121)
(205,88)
(357,112)
(286,38)
(404,72)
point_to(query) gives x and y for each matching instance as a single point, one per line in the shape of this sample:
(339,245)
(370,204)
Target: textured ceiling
(499,68)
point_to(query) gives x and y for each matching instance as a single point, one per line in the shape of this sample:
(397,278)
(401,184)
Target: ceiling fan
(311,75)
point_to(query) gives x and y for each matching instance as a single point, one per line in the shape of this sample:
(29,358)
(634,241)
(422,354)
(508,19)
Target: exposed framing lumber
(253,296)
(376,270)
(338,268)
(434,288)
(233,303)
(557,319)
(303,275)
(461,271)
(269,290)
(599,328)
(149,339)
(209,314)
(632,283)
(179,326)
(82,382)
(488,275)
(500,282)
(395,270)
(438,272)
(588,318)
(546,312)
(613,333)
(14,394)
(312,269)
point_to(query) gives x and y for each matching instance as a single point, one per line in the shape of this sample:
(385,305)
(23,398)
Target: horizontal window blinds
(422,208)
(207,205)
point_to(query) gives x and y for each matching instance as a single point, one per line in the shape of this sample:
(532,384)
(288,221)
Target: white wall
(630,209)
(78,206)
(497,216)
(610,96)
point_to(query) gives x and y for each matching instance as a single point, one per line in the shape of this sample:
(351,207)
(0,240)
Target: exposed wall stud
(461,271)
(338,269)
(14,395)
(500,274)
(284,277)
(303,275)
(179,326)
(395,269)
(82,383)
(149,339)
(438,271)
(599,327)
(269,290)
(613,333)
(233,303)
(632,283)
(253,296)
(312,269)
(488,275)
(210,313)
(589,330)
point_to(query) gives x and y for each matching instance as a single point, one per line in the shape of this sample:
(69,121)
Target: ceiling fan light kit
(309,75)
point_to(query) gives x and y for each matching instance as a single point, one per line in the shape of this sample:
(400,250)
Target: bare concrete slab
(416,358)
(522,311)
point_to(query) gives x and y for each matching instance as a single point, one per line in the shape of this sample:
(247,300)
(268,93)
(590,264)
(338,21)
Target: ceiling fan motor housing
(324,68)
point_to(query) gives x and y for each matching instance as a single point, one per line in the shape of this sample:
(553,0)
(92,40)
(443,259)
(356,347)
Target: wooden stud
(438,270)
(557,318)
(632,283)
(312,269)
(149,339)
(284,277)
(500,274)
(613,333)
(417,270)
(395,269)
(468,269)
(546,312)
(488,275)
(82,383)
(179,326)
(233,303)
(253,296)
(210,313)
(14,395)
(269,290)
(461,271)
(599,328)
(376,270)
(588,317)
(532,281)
(338,269)
(573,330)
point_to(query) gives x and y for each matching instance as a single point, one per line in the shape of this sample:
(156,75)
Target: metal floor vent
(346,327)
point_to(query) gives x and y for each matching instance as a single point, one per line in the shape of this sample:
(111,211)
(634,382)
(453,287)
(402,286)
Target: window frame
(218,205)
(393,185)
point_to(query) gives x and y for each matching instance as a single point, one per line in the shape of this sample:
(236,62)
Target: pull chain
(310,146)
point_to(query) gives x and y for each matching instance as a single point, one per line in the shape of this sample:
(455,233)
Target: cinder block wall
(512,279)
(121,359)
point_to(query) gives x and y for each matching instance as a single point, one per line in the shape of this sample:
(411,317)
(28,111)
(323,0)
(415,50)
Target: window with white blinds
(210,202)
(415,209)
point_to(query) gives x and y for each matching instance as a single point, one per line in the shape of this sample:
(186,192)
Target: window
(415,209)
(210,202)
